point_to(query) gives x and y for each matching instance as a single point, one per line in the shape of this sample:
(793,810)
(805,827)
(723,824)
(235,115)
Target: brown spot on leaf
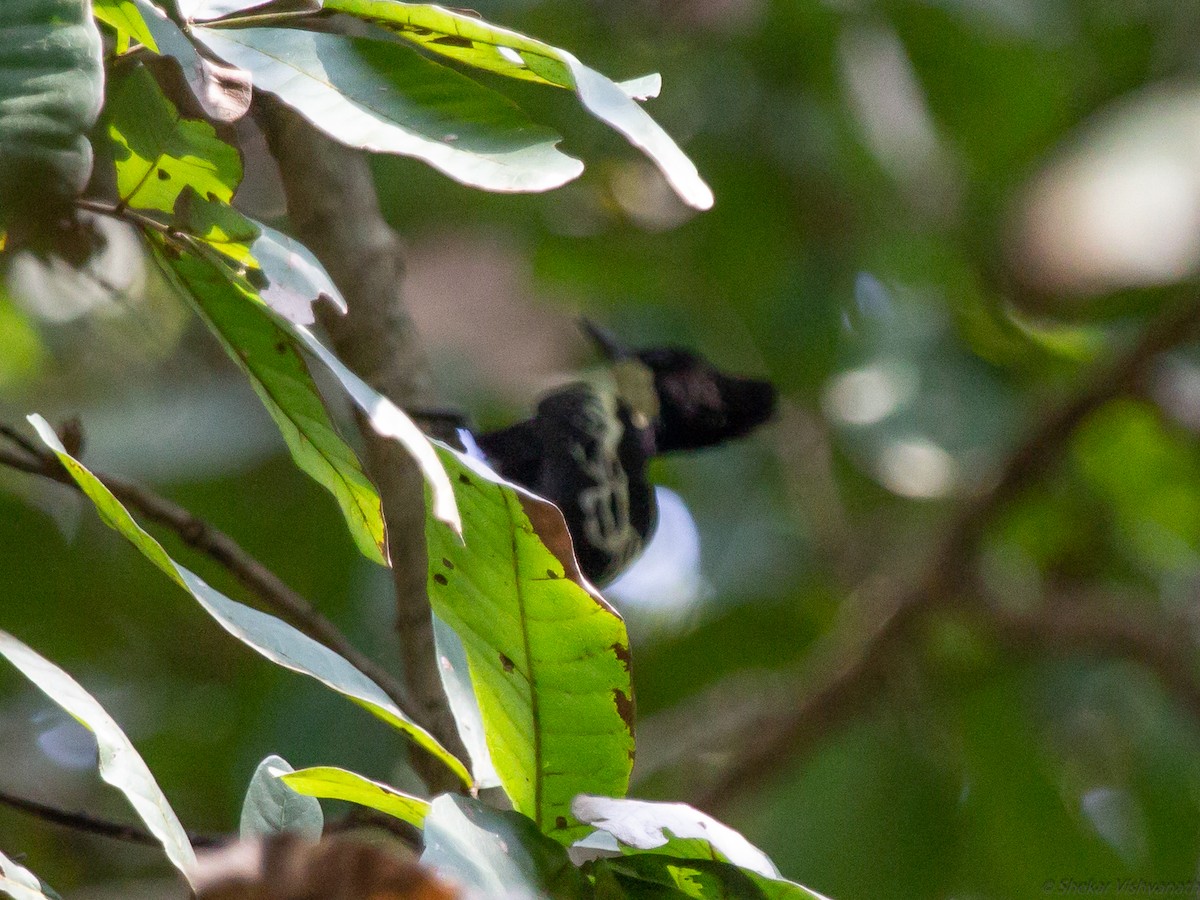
(463,478)
(560,822)
(623,654)
(452,40)
(624,707)
(550,573)
(447,563)
(281,347)
(212,197)
(508,664)
(163,174)
(440,578)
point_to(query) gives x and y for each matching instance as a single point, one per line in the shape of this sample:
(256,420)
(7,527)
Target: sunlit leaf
(123,17)
(264,350)
(119,763)
(331,783)
(158,153)
(51,90)
(548,658)
(465,38)
(223,91)
(383,97)
(270,637)
(496,854)
(272,808)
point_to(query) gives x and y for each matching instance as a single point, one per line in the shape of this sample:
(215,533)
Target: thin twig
(848,662)
(79,821)
(201,536)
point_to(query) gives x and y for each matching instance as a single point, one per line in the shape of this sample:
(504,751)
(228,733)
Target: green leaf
(51,90)
(264,350)
(383,97)
(268,636)
(221,291)
(676,828)
(21,884)
(498,854)
(548,659)
(223,91)
(332,783)
(159,153)
(120,765)
(471,40)
(659,876)
(390,421)
(123,17)
(272,808)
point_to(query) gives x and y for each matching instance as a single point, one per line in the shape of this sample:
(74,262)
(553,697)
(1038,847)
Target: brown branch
(79,821)
(333,207)
(268,587)
(846,665)
(1070,627)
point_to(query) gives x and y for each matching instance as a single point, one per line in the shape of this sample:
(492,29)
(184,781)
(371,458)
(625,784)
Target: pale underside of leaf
(222,90)
(382,97)
(272,808)
(476,42)
(547,658)
(120,764)
(331,783)
(19,882)
(645,825)
(270,637)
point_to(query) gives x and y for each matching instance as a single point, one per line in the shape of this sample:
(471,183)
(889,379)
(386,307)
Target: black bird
(587,446)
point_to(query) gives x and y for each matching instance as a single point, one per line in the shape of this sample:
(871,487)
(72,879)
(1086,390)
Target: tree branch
(1160,647)
(79,821)
(268,587)
(846,665)
(334,209)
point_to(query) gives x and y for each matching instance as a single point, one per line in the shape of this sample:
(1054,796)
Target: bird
(588,444)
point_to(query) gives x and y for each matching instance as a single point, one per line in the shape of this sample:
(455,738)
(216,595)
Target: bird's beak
(605,340)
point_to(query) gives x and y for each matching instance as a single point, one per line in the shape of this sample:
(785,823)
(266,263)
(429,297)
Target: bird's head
(694,404)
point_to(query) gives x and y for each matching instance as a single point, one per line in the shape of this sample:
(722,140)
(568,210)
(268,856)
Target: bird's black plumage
(587,446)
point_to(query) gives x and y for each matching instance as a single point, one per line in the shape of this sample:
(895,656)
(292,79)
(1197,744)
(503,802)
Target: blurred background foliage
(933,217)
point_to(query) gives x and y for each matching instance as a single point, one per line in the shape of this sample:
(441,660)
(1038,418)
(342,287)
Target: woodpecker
(588,444)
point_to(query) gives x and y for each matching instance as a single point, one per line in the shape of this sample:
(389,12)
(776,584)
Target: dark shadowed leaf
(271,807)
(51,90)
(384,97)
(270,637)
(654,875)
(548,658)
